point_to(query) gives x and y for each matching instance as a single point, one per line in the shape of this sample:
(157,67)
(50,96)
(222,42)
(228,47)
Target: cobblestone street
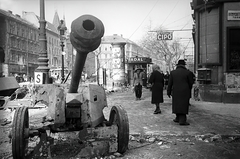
(212,133)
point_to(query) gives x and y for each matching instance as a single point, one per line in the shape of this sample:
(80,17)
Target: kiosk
(136,62)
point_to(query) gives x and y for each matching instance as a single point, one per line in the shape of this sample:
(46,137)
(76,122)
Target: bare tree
(169,51)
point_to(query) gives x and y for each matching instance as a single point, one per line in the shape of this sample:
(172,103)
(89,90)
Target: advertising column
(118,64)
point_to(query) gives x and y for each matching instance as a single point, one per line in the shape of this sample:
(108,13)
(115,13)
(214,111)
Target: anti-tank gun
(81,107)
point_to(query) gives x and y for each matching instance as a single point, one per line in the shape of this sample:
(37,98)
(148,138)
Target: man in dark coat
(157,81)
(138,82)
(179,87)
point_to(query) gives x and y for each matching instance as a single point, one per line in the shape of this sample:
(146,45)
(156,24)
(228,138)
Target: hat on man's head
(181,62)
(138,68)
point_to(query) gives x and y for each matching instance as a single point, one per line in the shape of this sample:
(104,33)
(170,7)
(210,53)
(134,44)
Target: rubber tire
(19,139)
(119,117)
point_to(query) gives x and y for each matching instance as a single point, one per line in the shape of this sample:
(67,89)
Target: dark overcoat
(157,80)
(179,86)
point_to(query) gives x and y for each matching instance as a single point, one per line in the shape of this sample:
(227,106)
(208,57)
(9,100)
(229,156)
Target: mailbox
(204,74)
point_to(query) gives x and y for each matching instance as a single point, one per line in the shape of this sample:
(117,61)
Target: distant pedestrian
(157,81)
(193,78)
(17,78)
(144,78)
(138,82)
(166,77)
(179,87)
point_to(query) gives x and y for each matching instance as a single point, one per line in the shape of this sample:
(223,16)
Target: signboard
(139,60)
(38,77)
(165,36)
(233,15)
(233,82)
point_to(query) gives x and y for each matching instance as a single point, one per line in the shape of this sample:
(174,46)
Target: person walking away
(166,77)
(156,79)
(144,78)
(138,82)
(179,87)
(193,78)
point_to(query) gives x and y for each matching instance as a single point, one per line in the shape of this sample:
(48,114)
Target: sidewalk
(213,133)
(203,116)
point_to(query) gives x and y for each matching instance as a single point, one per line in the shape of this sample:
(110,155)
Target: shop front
(216,35)
(138,62)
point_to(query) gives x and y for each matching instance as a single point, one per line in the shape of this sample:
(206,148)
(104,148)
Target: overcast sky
(131,18)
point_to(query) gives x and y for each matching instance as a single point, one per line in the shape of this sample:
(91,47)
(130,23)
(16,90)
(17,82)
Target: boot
(157,111)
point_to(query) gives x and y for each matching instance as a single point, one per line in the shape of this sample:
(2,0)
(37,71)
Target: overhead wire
(186,24)
(144,19)
(176,20)
(170,13)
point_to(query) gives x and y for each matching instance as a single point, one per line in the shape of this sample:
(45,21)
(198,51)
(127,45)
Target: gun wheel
(119,117)
(20,132)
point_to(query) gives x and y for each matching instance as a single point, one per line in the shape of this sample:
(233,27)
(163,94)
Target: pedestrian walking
(157,81)
(138,82)
(144,78)
(166,77)
(193,78)
(179,87)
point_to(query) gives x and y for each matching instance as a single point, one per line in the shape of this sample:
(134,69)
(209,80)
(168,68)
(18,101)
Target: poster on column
(233,82)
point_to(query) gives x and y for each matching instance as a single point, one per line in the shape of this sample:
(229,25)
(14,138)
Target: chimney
(9,11)
(18,15)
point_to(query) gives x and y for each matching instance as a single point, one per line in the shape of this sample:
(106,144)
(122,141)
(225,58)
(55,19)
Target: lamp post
(43,55)
(62,28)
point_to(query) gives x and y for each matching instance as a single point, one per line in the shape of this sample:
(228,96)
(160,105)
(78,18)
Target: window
(23,32)
(18,30)
(102,56)
(233,49)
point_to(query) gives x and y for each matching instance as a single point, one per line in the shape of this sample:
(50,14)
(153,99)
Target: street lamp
(62,28)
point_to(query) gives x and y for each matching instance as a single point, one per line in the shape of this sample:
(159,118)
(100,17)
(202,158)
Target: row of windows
(105,56)
(109,55)
(23,45)
(20,58)
(25,38)
(54,51)
(22,31)
(105,48)
(53,41)
(109,47)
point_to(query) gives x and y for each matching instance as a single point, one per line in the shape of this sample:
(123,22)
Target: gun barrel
(85,36)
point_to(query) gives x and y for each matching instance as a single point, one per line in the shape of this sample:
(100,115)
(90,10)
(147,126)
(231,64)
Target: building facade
(216,36)
(54,49)
(19,45)
(112,57)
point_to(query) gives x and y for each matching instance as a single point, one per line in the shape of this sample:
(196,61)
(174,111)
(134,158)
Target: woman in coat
(157,81)
(179,87)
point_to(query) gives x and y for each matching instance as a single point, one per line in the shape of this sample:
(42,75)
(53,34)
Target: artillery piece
(81,107)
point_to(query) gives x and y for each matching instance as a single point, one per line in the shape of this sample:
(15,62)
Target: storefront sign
(165,36)
(233,15)
(139,60)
